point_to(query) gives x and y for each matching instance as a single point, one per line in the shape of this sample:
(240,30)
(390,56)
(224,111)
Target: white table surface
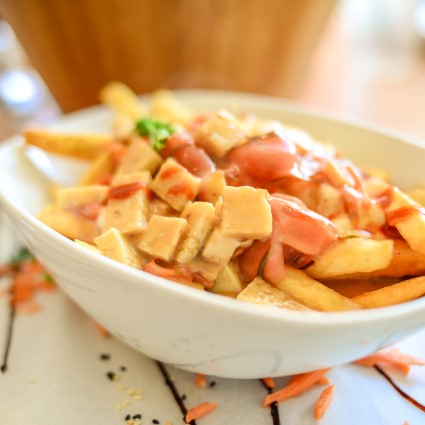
(55,376)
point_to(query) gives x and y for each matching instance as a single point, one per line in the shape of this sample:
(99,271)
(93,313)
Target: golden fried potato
(398,293)
(352,255)
(312,293)
(261,292)
(84,146)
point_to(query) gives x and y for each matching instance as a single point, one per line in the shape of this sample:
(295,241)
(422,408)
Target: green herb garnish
(48,278)
(156,131)
(22,255)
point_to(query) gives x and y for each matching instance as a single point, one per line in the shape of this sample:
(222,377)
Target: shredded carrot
(6,270)
(406,423)
(324,401)
(296,386)
(29,308)
(392,359)
(269,382)
(28,278)
(323,381)
(200,380)
(103,332)
(199,411)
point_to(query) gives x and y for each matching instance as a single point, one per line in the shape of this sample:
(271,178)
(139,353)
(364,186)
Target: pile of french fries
(200,235)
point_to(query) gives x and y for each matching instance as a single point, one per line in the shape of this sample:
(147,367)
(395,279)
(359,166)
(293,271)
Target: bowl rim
(315,318)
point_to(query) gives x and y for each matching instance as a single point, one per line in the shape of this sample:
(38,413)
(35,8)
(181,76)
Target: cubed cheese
(207,269)
(219,248)
(200,218)
(129,214)
(115,245)
(228,281)
(175,184)
(71,225)
(139,157)
(212,187)
(69,197)
(88,246)
(245,213)
(220,133)
(161,236)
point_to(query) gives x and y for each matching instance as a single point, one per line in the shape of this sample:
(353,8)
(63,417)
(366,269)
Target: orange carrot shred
(102,331)
(6,270)
(269,383)
(29,308)
(392,359)
(296,386)
(199,411)
(323,381)
(323,401)
(200,380)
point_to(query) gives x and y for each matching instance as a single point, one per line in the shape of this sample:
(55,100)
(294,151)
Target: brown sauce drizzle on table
(170,383)
(11,320)
(399,390)
(274,410)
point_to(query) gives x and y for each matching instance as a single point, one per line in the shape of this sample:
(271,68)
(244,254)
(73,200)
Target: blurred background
(357,57)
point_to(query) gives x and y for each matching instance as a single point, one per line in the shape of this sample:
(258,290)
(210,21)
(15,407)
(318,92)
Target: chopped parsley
(48,278)
(156,131)
(22,255)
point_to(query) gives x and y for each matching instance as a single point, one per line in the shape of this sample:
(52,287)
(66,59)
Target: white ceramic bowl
(204,332)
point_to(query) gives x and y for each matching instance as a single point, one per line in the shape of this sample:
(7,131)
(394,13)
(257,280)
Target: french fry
(261,292)
(123,100)
(165,106)
(404,262)
(84,146)
(398,293)
(130,210)
(353,255)
(412,225)
(102,166)
(312,293)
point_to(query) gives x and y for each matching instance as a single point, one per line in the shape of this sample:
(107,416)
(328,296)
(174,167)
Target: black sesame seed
(111,376)
(213,384)
(105,356)
(184,396)
(138,416)
(155,421)
(123,368)
(128,417)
